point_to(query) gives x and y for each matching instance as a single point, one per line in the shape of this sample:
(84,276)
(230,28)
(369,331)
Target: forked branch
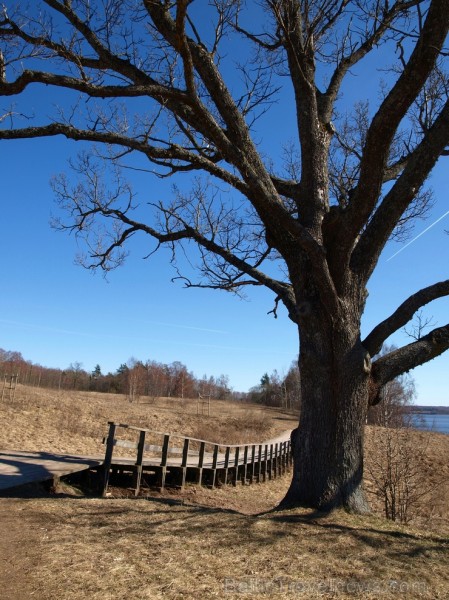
(374,341)
(390,366)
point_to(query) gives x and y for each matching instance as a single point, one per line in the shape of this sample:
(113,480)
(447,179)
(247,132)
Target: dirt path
(21,537)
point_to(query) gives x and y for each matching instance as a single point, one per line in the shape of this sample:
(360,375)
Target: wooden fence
(164,459)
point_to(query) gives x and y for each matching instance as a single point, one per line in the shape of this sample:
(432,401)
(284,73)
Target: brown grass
(114,549)
(200,544)
(425,473)
(76,422)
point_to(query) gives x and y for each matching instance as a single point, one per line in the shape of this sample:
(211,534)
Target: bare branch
(408,357)
(163,157)
(382,21)
(419,325)
(90,89)
(385,123)
(402,315)
(401,195)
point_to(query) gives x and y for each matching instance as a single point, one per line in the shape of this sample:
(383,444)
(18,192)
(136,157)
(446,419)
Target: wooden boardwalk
(19,468)
(167,460)
(160,459)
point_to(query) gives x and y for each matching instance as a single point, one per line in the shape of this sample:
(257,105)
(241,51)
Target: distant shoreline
(437,422)
(429,410)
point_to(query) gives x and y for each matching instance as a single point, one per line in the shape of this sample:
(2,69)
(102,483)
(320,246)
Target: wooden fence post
(108,457)
(276,460)
(259,465)
(283,456)
(270,464)
(201,462)
(185,458)
(253,462)
(214,465)
(245,464)
(164,457)
(265,463)
(226,464)
(139,461)
(236,465)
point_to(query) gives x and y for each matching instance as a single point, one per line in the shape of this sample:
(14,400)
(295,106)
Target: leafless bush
(396,398)
(395,466)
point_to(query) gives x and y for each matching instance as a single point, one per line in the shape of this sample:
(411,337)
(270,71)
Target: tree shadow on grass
(230,528)
(375,537)
(302,541)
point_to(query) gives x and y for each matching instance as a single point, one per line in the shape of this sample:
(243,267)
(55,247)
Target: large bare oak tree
(183,84)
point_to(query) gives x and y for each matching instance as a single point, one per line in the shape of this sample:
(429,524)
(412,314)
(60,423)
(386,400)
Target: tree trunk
(328,445)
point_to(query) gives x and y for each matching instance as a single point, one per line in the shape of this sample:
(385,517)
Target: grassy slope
(77,421)
(202,543)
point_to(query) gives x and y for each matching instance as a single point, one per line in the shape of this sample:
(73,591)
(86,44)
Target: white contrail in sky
(101,334)
(419,235)
(179,326)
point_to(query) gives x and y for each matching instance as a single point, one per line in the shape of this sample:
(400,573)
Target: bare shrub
(395,466)
(396,398)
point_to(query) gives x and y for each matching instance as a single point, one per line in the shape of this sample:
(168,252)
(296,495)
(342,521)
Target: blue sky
(56,313)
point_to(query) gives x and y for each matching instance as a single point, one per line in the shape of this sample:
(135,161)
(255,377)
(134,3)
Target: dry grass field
(202,543)
(76,422)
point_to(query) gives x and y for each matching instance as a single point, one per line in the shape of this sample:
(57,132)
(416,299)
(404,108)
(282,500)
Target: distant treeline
(151,378)
(135,378)
(277,390)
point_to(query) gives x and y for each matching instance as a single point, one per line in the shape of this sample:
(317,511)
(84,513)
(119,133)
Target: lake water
(437,423)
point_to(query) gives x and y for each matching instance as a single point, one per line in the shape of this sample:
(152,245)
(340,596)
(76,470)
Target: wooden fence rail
(164,459)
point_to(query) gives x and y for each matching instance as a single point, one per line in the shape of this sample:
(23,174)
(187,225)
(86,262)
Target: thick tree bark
(328,449)
(335,372)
